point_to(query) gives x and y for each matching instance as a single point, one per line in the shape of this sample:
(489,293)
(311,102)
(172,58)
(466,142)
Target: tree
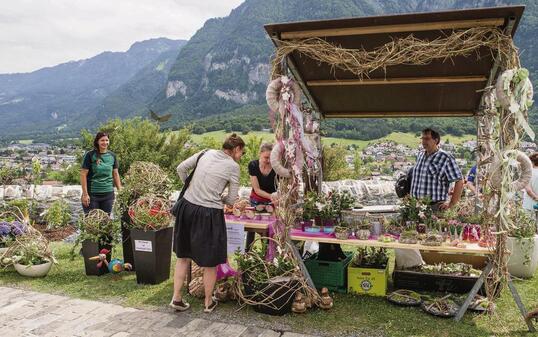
(335,166)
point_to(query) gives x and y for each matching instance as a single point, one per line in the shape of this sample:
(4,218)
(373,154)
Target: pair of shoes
(211,307)
(180,305)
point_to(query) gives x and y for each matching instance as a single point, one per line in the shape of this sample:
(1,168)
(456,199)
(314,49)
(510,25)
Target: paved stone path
(28,313)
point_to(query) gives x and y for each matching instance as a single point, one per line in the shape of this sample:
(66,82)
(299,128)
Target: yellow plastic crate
(369,281)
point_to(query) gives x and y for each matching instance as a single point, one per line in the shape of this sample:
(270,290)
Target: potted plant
(522,242)
(409,236)
(310,210)
(141,179)
(151,237)
(30,254)
(269,285)
(97,232)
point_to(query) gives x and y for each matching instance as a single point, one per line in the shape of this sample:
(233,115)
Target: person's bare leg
(182,266)
(210,278)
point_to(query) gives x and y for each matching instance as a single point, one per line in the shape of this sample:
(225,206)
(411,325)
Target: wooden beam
(400,28)
(391,114)
(406,80)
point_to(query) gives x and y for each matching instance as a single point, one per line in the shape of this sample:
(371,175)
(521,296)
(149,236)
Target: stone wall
(367,192)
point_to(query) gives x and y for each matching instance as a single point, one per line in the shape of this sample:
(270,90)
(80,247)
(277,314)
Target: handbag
(175,209)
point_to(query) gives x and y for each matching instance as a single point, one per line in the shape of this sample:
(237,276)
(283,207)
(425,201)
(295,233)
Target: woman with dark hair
(262,177)
(200,230)
(98,176)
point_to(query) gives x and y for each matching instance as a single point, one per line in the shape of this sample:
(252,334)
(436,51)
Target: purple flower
(5,228)
(17,228)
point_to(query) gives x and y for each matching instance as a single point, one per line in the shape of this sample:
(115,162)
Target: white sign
(143,246)
(235,233)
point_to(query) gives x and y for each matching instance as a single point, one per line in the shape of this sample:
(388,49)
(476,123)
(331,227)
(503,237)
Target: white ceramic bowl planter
(38,270)
(523,260)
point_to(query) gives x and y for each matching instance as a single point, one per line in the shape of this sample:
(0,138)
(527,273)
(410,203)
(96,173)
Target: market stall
(444,64)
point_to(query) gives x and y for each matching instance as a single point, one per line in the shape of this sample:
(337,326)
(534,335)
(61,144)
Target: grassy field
(409,139)
(351,316)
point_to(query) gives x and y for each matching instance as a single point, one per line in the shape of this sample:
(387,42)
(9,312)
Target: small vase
(306,223)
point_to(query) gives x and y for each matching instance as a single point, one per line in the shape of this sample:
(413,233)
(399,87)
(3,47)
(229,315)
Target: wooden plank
(474,291)
(403,80)
(399,28)
(391,114)
(472,248)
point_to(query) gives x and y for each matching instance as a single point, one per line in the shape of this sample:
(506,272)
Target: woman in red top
(262,177)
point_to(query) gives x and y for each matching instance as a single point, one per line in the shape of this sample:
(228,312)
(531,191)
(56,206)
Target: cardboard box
(369,281)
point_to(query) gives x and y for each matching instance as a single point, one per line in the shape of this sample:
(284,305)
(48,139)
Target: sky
(41,33)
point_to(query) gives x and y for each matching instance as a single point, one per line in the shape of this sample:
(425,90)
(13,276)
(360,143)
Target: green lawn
(408,139)
(352,315)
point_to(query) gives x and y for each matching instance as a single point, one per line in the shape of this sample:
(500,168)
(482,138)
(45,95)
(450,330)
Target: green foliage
(250,153)
(371,257)
(36,172)
(68,174)
(8,174)
(58,214)
(335,166)
(98,227)
(525,225)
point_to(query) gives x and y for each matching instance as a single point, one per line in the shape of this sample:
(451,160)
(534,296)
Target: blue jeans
(102,201)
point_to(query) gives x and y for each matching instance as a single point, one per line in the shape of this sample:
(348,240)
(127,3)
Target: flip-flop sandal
(180,305)
(211,307)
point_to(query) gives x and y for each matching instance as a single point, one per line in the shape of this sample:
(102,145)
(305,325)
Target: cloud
(35,34)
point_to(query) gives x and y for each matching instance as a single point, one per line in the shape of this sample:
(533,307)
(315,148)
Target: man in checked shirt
(433,173)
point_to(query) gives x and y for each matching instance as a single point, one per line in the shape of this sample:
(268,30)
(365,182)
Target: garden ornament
(114,266)
(299,304)
(326,300)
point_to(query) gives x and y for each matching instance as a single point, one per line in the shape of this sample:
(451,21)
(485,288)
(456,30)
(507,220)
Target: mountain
(217,79)
(225,65)
(62,96)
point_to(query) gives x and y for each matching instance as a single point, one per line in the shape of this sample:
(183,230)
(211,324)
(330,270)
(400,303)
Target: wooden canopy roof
(442,88)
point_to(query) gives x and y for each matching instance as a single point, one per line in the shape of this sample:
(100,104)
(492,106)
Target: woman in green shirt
(98,176)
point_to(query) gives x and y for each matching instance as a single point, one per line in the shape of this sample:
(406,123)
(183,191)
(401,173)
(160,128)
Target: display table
(471,248)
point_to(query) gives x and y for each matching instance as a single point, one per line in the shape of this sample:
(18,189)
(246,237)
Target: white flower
(275,262)
(286,96)
(285,80)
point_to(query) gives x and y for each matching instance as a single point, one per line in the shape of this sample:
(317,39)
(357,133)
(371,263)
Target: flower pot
(38,270)
(327,222)
(282,296)
(363,234)
(128,256)
(152,254)
(341,233)
(91,249)
(523,260)
(376,228)
(306,223)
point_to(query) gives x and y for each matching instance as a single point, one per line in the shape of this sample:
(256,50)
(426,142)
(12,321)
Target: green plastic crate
(329,274)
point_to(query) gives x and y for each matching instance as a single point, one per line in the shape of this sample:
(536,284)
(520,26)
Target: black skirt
(200,234)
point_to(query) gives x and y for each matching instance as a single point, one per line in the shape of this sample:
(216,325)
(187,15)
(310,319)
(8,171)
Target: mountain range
(217,78)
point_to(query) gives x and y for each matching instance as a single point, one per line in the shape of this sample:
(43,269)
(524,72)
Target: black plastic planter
(127,244)
(90,249)
(152,253)
(283,296)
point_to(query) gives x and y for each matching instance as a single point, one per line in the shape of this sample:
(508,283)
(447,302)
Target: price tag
(143,246)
